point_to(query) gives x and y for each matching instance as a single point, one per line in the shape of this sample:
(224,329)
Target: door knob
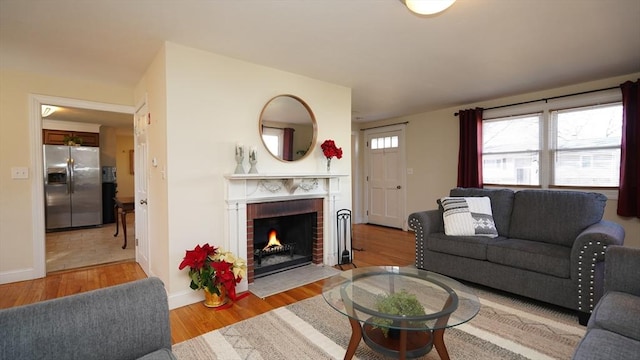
(398,187)
(143,202)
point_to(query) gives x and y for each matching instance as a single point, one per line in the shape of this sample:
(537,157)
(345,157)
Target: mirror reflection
(287,127)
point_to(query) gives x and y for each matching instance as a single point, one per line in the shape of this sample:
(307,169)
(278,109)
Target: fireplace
(263,196)
(282,242)
(297,226)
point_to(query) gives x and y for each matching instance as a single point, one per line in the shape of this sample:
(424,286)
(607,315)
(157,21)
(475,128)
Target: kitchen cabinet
(56,137)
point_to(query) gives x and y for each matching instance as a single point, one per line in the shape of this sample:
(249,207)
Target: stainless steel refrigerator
(72,185)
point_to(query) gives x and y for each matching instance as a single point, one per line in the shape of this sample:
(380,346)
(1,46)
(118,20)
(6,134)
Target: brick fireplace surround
(285,208)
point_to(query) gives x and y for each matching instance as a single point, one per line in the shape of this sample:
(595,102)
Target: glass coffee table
(370,297)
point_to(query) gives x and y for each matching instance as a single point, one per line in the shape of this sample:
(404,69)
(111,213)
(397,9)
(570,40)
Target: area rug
(290,279)
(505,328)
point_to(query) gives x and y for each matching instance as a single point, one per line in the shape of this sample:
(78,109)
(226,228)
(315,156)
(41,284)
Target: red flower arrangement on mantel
(330,150)
(213,270)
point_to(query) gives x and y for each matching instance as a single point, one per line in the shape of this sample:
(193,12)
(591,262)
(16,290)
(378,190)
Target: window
(587,150)
(511,150)
(384,142)
(578,146)
(273,140)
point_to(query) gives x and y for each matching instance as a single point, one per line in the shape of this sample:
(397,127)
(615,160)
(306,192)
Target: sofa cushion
(531,255)
(555,217)
(474,247)
(605,345)
(501,204)
(468,216)
(618,312)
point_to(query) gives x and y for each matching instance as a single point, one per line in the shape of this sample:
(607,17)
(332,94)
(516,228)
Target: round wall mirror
(287,127)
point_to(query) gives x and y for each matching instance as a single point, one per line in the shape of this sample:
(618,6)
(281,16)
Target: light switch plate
(19,173)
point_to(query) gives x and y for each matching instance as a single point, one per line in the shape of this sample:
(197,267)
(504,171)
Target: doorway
(38,200)
(385,180)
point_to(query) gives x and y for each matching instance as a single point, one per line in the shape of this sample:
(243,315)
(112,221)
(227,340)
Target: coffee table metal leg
(356,335)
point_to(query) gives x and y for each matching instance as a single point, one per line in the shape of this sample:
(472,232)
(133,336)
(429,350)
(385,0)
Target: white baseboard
(18,275)
(185,298)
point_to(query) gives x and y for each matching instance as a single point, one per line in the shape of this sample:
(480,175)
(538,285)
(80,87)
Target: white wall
(212,103)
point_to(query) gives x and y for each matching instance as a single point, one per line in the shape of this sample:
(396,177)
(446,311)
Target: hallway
(74,249)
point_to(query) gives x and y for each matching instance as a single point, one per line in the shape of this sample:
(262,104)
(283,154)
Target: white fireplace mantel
(243,189)
(249,188)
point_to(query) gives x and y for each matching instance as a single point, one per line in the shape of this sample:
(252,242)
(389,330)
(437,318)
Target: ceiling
(113,119)
(395,62)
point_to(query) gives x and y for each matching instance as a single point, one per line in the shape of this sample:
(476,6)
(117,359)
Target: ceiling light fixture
(48,110)
(427,7)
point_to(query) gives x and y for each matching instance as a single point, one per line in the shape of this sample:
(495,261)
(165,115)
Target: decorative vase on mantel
(214,300)
(328,165)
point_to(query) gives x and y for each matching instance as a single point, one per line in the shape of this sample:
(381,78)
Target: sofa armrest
(424,223)
(587,261)
(125,321)
(622,270)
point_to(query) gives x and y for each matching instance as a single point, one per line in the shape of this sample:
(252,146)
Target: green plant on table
(399,303)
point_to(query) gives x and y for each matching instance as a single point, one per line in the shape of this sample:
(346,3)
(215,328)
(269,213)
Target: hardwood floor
(380,246)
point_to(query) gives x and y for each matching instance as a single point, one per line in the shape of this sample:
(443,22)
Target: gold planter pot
(215,300)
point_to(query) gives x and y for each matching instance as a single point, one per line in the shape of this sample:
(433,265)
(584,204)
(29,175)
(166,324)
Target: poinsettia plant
(210,267)
(329,149)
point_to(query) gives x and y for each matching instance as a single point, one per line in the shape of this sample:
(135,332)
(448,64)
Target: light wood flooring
(381,246)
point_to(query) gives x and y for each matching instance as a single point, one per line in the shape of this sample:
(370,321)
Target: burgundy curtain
(287,148)
(470,153)
(629,191)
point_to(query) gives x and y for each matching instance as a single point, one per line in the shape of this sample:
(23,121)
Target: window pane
(589,167)
(589,127)
(394,141)
(511,168)
(272,143)
(374,144)
(387,142)
(511,134)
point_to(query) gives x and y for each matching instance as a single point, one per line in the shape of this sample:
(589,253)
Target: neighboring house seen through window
(569,143)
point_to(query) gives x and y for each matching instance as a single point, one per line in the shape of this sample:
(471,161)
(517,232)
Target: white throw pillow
(468,216)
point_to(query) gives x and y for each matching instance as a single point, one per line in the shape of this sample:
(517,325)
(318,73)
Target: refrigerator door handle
(68,180)
(72,180)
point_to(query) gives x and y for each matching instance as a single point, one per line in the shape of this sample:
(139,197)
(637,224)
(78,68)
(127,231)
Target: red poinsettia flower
(225,277)
(209,268)
(329,149)
(196,258)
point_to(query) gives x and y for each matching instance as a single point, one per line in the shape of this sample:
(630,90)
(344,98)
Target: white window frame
(546,132)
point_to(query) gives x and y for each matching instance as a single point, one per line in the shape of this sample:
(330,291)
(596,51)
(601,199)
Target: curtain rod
(375,127)
(547,99)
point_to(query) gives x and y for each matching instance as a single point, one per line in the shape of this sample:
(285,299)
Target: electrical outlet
(19,173)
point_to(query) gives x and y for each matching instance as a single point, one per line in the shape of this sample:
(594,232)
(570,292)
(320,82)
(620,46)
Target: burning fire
(273,240)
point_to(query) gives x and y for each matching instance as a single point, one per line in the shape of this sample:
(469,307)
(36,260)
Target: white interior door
(385,179)
(141,189)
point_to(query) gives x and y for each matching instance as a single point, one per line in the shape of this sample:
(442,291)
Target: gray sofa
(550,246)
(613,331)
(129,321)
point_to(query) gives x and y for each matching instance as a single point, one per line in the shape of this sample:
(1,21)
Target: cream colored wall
(153,87)
(432,151)
(16,196)
(213,103)
(124,143)
(108,148)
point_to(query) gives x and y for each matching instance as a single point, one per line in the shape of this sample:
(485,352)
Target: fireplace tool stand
(345,238)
